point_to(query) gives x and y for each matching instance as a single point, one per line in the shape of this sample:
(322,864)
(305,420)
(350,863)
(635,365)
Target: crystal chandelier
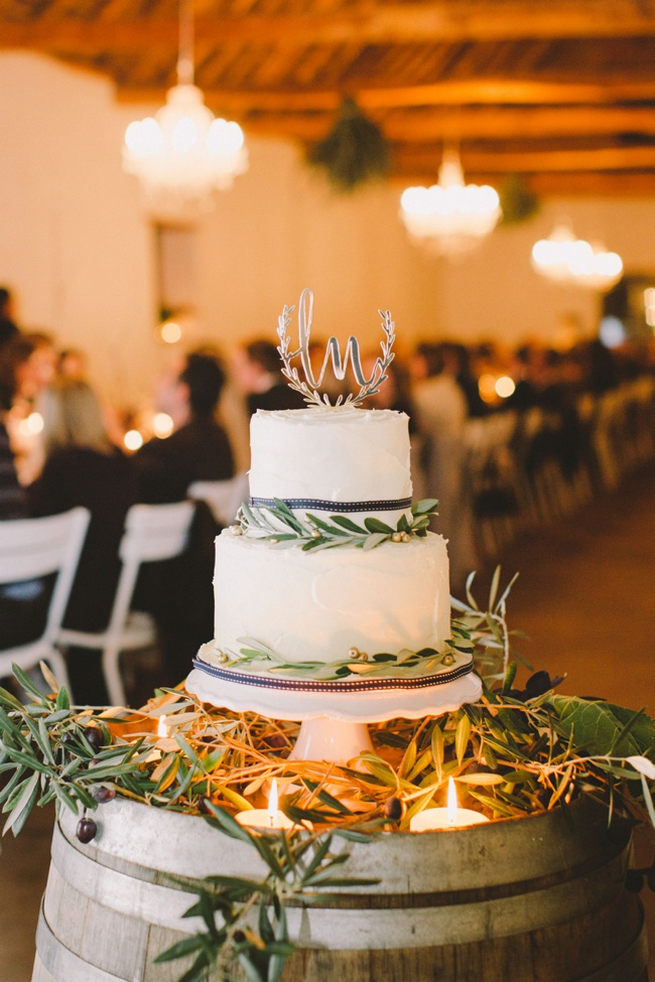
(183,154)
(450,217)
(568,260)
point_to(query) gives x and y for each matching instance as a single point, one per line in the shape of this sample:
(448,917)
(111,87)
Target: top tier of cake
(344,456)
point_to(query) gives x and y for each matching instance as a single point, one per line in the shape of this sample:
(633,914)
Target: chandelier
(450,217)
(183,154)
(575,262)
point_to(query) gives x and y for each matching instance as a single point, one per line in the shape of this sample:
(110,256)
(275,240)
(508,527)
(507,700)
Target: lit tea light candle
(450,817)
(164,741)
(266,818)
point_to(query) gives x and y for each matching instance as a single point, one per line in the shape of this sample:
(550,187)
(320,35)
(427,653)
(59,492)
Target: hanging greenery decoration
(517,201)
(354,151)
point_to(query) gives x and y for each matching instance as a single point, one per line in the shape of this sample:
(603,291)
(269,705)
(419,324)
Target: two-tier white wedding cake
(331,594)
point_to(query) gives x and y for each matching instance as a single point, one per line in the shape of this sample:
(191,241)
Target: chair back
(35,547)
(155,532)
(152,533)
(31,548)
(222,497)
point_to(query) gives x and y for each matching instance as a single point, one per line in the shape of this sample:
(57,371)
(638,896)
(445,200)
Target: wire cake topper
(310,386)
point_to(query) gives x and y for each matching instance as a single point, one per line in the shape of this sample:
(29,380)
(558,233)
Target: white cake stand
(334,724)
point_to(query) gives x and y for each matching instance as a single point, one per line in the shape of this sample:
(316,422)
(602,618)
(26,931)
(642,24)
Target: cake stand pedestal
(326,738)
(334,722)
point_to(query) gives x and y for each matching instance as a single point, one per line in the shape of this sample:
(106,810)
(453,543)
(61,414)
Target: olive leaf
(601,728)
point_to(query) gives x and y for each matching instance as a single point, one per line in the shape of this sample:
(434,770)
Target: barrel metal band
(322,504)
(348,685)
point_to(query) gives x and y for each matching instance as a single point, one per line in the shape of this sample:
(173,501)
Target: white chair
(152,533)
(31,548)
(222,497)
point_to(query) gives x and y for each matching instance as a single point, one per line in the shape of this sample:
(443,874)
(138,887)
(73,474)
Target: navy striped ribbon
(321,504)
(348,685)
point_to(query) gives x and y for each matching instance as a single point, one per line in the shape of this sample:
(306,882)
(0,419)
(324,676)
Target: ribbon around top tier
(322,504)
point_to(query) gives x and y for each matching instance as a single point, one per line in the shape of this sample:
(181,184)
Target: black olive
(93,736)
(393,809)
(102,794)
(86,830)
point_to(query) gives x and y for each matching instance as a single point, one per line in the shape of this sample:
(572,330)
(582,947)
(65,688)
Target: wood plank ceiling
(560,92)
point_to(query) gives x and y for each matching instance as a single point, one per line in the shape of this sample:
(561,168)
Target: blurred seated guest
(462,370)
(83,467)
(23,606)
(13,503)
(394,393)
(8,328)
(525,394)
(72,364)
(441,413)
(179,593)
(198,448)
(257,371)
(33,374)
(41,367)
(601,370)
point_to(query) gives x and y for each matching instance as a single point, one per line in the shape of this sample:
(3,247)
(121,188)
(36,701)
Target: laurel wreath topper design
(310,386)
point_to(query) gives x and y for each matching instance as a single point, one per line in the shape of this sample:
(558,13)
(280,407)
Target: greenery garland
(258,658)
(277,523)
(354,151)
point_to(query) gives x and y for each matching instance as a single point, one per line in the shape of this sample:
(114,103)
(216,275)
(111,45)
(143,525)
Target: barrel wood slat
(539,899)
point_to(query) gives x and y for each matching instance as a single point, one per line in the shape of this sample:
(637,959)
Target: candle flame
(162,729)
(272,804)
(451,802)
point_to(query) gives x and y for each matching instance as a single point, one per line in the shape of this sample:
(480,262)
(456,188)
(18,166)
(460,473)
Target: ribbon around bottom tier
(347,685)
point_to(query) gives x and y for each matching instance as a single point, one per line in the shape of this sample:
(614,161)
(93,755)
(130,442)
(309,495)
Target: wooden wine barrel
(540,899)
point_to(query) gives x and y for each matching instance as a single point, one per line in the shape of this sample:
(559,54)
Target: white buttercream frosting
(316,605)
(333,454)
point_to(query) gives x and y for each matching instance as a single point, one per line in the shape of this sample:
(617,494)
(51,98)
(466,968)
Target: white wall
(79,252)
(72,245)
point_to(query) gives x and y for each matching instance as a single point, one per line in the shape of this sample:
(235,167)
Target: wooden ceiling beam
(369,23)
(481,91)
(605,184)
(412,159)
(493,123)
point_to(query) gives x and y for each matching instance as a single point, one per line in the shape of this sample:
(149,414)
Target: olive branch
(255,656)
(245,920)
(277,523)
